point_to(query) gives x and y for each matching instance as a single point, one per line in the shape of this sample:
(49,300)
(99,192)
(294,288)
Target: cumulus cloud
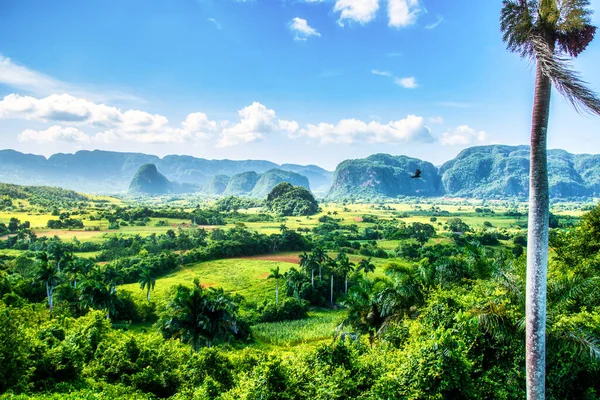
(361,11)
(134,125)
(302,30)
(349,131)
(256,120)
(403,13)
(463,136)
(54,134)
(407,83)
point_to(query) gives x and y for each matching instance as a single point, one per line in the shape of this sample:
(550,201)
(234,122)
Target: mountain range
(493,172)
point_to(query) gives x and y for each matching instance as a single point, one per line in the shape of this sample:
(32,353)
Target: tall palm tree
(333,268)
(547,32)
(307,263)
(47,273)
(346,266)
(147,280)
(366,265)
(275,274)
(319,256)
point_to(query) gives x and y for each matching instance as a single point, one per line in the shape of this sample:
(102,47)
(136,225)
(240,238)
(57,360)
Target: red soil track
(293,259)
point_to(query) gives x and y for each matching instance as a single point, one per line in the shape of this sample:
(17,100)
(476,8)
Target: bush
(288,310)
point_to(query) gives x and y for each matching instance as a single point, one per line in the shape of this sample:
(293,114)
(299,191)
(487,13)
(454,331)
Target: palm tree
(547,32)
(307,264)
(366,265)
(113,275)
(346,266)
(364,313)
(147,280)
(333,267)
(47,273)
(319,257)
(275,274)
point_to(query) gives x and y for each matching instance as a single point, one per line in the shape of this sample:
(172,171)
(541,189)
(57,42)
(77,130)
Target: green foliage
(202,317)
(288,200)
(288,310)
(382,175)
(147,180)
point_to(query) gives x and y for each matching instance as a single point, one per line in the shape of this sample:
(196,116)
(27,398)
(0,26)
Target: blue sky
(311,82)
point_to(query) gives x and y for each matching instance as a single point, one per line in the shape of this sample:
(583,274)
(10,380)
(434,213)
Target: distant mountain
(148,181)
(241,184)
(503,172)
(320,179)
(491,172)
(110,172)
(217,185)
(272,178)
(383,175)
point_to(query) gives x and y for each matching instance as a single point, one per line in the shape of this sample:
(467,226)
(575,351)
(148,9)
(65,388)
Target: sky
(290,81)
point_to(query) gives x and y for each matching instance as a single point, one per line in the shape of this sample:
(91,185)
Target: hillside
(503,172)
(382,175)
(272,178)
(320,179)
(45,196)
(217,185)
(148,181)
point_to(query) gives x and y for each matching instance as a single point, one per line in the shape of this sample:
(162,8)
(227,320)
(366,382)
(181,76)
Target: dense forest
(388,300)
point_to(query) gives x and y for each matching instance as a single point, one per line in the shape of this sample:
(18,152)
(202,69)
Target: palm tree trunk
(148,295)
(346,288)
(331,289)
(537,242)
(277,291)
(312,278)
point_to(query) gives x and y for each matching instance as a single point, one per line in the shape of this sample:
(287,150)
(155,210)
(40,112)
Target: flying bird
(417,174)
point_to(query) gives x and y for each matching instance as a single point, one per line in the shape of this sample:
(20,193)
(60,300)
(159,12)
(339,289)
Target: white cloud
(133,125)
(349,131)
(436,120)
(407,83)
(403,13)
(290,126)
(256,120)
(58,107)
(54,134)
(302,30)
(199,125)
(381,73)
(463,136)
(28,80)
(216,23)
(435,24)
(18,76)
(361,11)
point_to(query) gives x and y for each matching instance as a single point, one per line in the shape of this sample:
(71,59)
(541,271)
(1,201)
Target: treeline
(43,196)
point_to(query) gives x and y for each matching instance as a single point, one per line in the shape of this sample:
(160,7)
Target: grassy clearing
(241,276)
(319,327)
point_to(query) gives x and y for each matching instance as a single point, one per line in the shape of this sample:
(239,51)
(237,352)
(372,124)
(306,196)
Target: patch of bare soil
(292,259)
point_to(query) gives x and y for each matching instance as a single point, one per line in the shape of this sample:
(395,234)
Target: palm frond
(574,14)
(567,81)
(584,342)
(517,24)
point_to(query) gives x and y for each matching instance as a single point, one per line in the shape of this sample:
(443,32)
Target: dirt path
(288,258)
